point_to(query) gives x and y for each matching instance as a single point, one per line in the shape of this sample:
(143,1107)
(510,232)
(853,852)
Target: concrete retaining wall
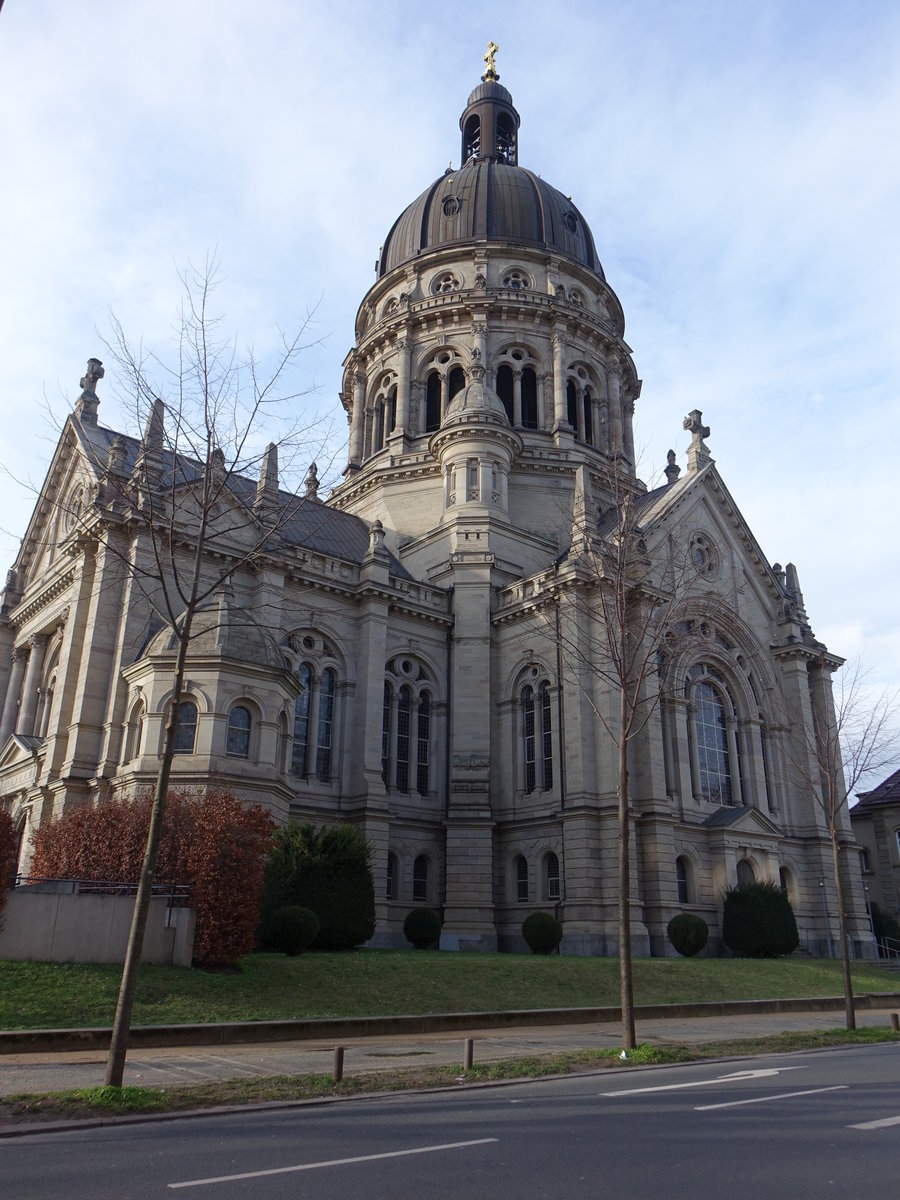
(51,927)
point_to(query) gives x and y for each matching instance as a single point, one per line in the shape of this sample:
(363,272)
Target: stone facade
(876,826)
(427,669)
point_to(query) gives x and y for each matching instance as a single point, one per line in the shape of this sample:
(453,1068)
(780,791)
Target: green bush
(884,924)
(542,932)
(758,921)
(688,933)
(422,927)
(326,870)
(293,929)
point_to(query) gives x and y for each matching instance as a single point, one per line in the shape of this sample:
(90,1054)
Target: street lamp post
(827,916)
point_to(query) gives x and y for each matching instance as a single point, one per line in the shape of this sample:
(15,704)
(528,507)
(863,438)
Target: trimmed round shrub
(293,929)
(422,927)
(758,921)
(542,932)
(688,933)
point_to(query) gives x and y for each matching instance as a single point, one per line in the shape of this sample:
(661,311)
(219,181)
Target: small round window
(447,282)
(516,280)
(704,555)
(571,222)
(450,207)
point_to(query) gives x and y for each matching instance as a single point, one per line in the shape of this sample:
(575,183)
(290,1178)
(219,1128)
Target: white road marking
(840,1087)
(736,1077)
(882,1124)
(333,1162)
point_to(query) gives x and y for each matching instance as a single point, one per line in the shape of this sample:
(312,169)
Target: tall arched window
(422,743)
(745,873)
(456,382)
(537,737)
(407,727)
(133,732)
(404,711)
(505,389)
(571,404)
(472,138)
(551,877)
(521,879)
(237,742)
(588,418)
(420,879)
(186,727)
(682,879)
(529,399)
(715,759)
(433,402)
(314,710)
(386,731)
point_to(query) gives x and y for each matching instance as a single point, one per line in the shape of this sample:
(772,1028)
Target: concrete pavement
(179,1065)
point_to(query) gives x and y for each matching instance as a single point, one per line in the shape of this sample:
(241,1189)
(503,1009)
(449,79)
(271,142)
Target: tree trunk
(625,980)
(849,1007)
(115,1063)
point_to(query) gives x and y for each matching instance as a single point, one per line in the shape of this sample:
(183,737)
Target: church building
(431,670)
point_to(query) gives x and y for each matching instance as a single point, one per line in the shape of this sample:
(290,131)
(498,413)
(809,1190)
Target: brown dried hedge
(211,841)
(7,856)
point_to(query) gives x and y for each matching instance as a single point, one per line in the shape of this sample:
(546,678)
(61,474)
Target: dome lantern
(490,123)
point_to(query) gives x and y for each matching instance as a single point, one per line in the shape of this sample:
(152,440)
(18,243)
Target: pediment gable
(743,820)
(18,750)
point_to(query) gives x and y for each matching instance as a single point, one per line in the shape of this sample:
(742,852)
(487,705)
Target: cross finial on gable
(698,452)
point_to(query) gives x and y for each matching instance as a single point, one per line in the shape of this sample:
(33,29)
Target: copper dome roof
(490,198)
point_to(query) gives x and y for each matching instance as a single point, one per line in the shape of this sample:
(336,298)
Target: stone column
(734,762)
(560,414)
(357,419)
(14,688)
(517,399)
(542,401)
(579,415)
(402,416)
(628,430)
(615,407)
(25,723)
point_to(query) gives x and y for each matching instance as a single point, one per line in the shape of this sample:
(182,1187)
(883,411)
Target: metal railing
(177,895)
(889,948)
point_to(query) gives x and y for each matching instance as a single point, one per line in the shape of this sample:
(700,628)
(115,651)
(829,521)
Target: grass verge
(83,1103)
(381,982)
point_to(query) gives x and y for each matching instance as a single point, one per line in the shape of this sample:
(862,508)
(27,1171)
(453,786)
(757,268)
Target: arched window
(433,402)
(588,418)
(537,737)
(185,727)
(472,138)
(133,731)
(505,389)
(715,762)
(506,139)
(786,882)
(420,879)
(386,732)
(422,743)
(237,742)
(529,399)
(404,711)
(745,873)
(521,880)
(390,881)
(571,404)
(682,879)
(551,877)
(456,382)
(314,710)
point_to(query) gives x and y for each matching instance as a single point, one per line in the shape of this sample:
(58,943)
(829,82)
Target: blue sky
(737,164)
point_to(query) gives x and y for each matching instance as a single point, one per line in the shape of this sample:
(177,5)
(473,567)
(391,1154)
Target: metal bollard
(895,1022)
(337,1071)
(469,1054)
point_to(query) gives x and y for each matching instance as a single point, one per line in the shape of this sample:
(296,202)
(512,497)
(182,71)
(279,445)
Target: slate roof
(887,792)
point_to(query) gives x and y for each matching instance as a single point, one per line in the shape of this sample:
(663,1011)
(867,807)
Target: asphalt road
(803,1126)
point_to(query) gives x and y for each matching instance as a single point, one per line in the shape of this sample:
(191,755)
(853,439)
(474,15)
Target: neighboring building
(415,677)
(876,826)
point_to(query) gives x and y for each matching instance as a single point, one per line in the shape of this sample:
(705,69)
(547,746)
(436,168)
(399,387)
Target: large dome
(490,201)
(490,197)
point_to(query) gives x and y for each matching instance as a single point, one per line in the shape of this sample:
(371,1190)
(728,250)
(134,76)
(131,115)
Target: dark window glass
(391,877)
(424,734)
(529,399)
(681,878)
(433,403)
(571,405)
(505,389)
(456,382)
(521,880)
(420,879)
(528,725)
(712,744)
(186,727)
(404,709)
(326,726)
(237,742)
(546,736)
(301,721)
(386,733)
(588,419)
(745,873)
(551,869)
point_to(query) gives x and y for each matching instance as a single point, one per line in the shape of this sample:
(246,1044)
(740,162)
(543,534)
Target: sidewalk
(178,1065)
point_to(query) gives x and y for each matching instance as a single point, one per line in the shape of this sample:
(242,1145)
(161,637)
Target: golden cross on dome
(491,72)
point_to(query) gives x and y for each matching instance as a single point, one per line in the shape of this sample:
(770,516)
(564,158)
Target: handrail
(177,895)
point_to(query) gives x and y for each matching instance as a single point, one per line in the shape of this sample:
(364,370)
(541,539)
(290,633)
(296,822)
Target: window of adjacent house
(551,877)
(522,880)
(185,727)
(237,743)
(864,863)
(420,879)
(681,877)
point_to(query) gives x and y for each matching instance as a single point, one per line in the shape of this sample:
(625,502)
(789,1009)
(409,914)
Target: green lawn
(381,982)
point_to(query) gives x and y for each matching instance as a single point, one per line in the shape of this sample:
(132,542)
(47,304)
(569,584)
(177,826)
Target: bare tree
(630,598)
(853,735)
(200,501)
